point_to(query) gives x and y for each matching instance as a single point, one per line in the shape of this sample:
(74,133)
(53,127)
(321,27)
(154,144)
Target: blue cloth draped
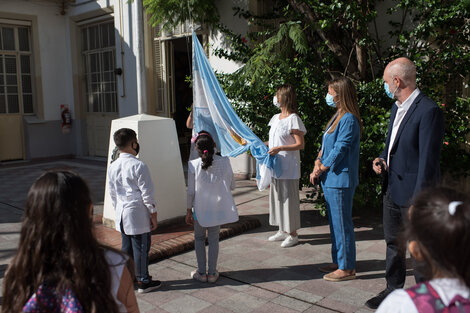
(214,113)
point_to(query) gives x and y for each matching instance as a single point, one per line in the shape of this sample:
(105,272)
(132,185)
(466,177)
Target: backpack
(427,300)
(48,299)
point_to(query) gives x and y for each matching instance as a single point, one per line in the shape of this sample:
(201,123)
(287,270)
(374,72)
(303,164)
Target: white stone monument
(159,149)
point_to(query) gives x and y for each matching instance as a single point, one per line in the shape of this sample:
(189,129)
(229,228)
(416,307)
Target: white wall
(85,6)
(216,40)
(53,38)
(123,11)
(126,83)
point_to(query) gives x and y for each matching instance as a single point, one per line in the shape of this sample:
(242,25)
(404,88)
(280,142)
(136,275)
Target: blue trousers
(339,203)
(137,247)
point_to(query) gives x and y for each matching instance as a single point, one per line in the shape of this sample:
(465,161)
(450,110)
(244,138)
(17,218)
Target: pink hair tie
(205,151)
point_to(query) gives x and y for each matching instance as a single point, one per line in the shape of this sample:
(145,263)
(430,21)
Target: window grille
(98,49)
(16,82)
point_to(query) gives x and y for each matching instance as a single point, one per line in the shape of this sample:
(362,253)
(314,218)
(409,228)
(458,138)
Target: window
(16,83)
(99,59)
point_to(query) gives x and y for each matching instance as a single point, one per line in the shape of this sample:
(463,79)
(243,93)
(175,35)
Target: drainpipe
(140,57)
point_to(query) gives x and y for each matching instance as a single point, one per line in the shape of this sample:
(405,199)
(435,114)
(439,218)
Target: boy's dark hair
(123,137)
(205,148)
(443,236)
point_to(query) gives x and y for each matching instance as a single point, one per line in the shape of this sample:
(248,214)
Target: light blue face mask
(388,92)
(329,100)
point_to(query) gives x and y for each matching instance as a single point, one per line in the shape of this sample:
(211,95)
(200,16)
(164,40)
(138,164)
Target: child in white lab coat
(131,190)
(209,203)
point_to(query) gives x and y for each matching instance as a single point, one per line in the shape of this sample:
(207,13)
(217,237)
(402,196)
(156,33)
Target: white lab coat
(131,190)
(209,192)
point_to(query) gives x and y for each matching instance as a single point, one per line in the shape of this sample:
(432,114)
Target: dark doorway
(183,92)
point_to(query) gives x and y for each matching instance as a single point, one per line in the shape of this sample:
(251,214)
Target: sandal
(334,276)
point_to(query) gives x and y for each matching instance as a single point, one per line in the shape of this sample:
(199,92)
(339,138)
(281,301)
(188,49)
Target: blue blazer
(341,154)
(414,157)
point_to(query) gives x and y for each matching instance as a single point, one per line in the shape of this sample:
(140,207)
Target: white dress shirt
(209,192)
(401,112)
(131,190)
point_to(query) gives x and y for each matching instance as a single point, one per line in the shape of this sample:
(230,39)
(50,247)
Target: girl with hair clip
(337,166)
(59,265)
(210,204)
(439,238)
(286,139)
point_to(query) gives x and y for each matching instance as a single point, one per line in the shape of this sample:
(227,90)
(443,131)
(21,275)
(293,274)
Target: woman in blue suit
(337,166)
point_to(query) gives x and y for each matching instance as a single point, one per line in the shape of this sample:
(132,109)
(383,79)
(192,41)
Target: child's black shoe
(148,286)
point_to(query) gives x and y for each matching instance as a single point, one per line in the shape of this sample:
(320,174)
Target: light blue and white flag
(213,113)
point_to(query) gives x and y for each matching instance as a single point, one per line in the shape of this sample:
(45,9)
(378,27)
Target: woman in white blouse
(286,138)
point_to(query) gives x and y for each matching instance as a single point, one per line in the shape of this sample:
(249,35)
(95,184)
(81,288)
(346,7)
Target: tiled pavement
(256,275)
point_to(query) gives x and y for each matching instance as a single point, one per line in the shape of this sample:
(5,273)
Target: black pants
(394,217)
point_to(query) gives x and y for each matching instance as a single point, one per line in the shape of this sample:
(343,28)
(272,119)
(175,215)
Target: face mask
(388,92)
(275,102)
(137,148)
(329,100)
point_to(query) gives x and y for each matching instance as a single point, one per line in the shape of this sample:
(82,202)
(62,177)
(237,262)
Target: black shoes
(373,303)
(148,286)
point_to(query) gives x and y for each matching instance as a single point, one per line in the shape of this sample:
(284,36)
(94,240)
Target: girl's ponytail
(205,148)
(207,159)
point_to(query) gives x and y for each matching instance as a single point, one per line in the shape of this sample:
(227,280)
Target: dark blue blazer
(341,154)
(414,157)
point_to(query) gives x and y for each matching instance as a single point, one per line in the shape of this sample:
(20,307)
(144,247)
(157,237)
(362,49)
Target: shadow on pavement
(288,273)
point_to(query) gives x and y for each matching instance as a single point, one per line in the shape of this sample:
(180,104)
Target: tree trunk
(333,38)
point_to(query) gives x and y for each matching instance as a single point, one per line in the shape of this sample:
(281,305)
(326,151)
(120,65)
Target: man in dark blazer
(409,162)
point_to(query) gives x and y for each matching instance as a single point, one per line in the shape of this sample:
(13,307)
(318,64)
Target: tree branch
(331,38)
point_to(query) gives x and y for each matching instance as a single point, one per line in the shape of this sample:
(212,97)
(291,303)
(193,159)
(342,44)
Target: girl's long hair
(347,102)
(57,247)
(205,148)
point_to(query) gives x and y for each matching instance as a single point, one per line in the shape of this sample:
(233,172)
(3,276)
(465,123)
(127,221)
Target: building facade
(65,61)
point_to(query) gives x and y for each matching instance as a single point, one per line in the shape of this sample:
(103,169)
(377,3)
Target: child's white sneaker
(197,276)
(278,236)
(290,241)
(213,278)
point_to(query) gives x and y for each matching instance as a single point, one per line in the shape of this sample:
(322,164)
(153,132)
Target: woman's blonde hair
(347,101)
(287,97)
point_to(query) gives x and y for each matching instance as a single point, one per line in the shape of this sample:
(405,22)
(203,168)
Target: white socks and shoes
(278,236)
(213,278)
(290,241)
(199,277)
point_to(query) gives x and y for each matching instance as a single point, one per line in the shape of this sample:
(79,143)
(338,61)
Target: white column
(140,57)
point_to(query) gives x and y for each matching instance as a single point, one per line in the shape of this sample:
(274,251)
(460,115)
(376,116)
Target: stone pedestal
(243,166)
(159,149)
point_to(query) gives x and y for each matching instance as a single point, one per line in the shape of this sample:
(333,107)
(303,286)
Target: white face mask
(275,102)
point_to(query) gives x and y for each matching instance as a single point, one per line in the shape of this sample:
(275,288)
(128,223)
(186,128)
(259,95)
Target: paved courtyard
(256,275)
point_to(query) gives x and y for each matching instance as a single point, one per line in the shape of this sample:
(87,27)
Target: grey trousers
(200,247)
(284,204)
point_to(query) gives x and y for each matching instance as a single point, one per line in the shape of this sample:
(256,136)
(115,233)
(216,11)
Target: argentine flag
(213,113)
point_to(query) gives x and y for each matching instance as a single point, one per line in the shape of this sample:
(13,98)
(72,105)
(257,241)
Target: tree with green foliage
(308,42)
